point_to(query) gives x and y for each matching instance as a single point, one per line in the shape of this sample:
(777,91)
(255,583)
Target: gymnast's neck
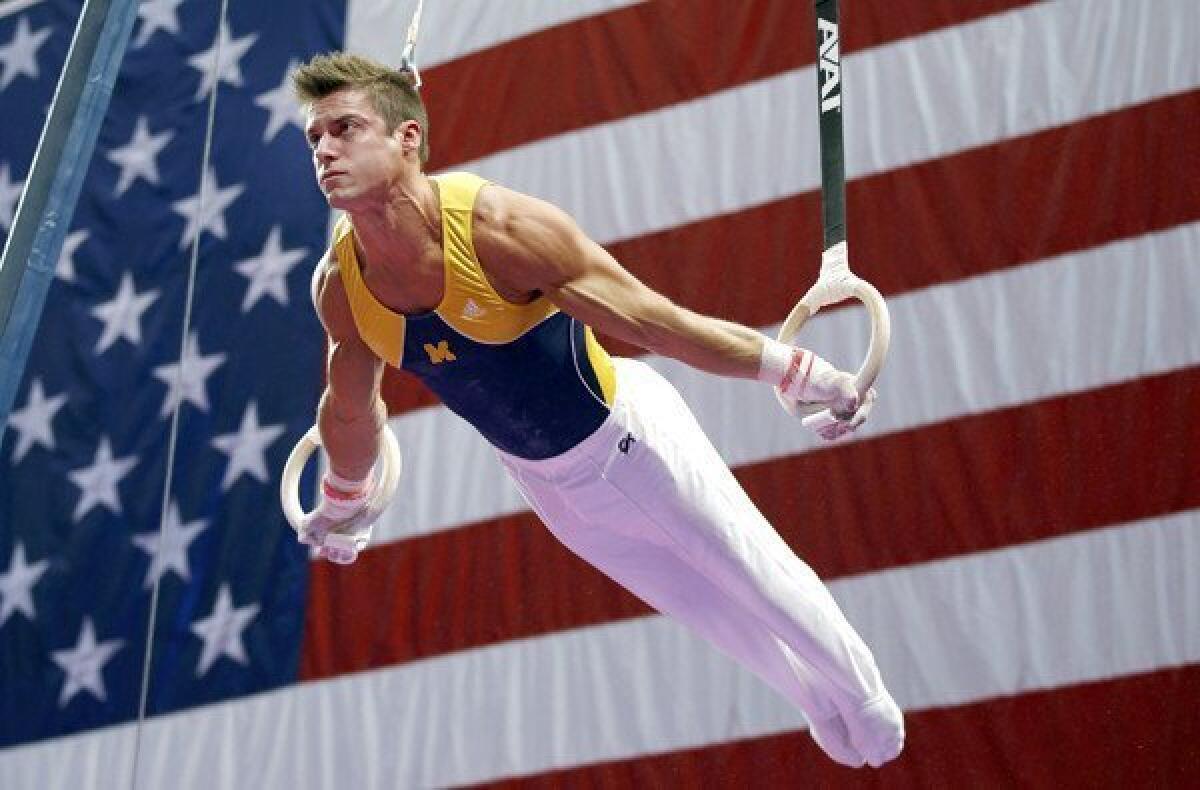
(400,225)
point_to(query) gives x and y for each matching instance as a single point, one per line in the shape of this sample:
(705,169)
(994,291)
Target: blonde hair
(391,91)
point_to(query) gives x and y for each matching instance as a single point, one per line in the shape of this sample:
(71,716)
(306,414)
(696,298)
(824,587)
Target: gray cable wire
(174,436)
(408,58)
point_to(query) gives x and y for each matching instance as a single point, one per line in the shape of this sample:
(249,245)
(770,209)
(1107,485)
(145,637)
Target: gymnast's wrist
(784,366)
(344,490)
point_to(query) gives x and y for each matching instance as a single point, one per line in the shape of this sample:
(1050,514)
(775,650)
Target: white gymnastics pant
(647,500)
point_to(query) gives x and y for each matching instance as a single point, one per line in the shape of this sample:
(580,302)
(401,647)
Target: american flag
(84,457)
(1016,532)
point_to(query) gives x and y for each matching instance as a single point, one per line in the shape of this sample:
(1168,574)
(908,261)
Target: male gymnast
(490,297)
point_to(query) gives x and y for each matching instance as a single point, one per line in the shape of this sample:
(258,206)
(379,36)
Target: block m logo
(440,353)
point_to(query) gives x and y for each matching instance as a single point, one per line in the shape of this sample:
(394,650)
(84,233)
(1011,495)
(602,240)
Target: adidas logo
(472,310)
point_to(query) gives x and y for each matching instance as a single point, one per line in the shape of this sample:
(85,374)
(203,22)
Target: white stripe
(1069,324)
(453,28)
(1071,610)
(1043,66)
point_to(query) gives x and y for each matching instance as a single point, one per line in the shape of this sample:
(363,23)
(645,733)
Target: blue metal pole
(63,155)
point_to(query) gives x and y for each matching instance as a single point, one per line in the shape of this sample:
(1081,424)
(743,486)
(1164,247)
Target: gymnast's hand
(844,425)
(336,529)
(803,377)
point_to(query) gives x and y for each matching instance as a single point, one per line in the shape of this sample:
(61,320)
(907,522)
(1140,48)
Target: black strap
(829,107)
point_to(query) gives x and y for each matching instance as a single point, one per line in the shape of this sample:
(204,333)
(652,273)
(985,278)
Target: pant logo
(440,353)
(626,443)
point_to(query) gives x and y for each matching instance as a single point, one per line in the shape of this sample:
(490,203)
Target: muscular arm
(351,412)
(542,249)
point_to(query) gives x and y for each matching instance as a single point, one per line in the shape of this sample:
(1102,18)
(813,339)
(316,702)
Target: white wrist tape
(774,362)
(786,367)
(346,484)
(797,372)
(342,497)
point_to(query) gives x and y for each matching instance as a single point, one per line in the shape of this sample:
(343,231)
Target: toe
(877,730)
(834,739)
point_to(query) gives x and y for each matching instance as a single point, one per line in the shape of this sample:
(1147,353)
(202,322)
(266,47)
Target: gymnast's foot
(834,739)
(876,729)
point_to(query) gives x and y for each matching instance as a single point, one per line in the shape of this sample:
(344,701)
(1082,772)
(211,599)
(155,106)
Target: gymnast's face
(355,158)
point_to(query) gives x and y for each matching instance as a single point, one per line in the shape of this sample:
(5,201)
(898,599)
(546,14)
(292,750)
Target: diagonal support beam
(60,163)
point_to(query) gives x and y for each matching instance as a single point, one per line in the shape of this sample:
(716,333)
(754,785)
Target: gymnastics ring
(387,471)
(836,283)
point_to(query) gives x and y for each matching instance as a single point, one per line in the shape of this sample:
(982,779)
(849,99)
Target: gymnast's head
(364,123)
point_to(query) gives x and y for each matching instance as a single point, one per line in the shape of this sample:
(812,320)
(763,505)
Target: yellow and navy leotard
(530,378)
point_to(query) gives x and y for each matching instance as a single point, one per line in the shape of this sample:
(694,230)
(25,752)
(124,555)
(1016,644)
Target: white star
(269,270)
(16,585)
(65,270)
(139,157)
(10,194)
(19,55)
(122,315)
(190,386)
(281,103)
(33,422)
(168,550)
(157,15)
(99,481)
(84,664)
(232,50)
(210,215)
(247,448)
(222,631)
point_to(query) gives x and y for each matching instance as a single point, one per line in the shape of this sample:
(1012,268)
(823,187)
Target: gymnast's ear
(410,134)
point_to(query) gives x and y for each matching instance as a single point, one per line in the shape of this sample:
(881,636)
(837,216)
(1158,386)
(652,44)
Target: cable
(408,58)
(205,158)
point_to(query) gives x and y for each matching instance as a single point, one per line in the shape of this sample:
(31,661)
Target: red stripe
(642,58)
(1137,731)
(1111,177)
(991,208)
(1058,466)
